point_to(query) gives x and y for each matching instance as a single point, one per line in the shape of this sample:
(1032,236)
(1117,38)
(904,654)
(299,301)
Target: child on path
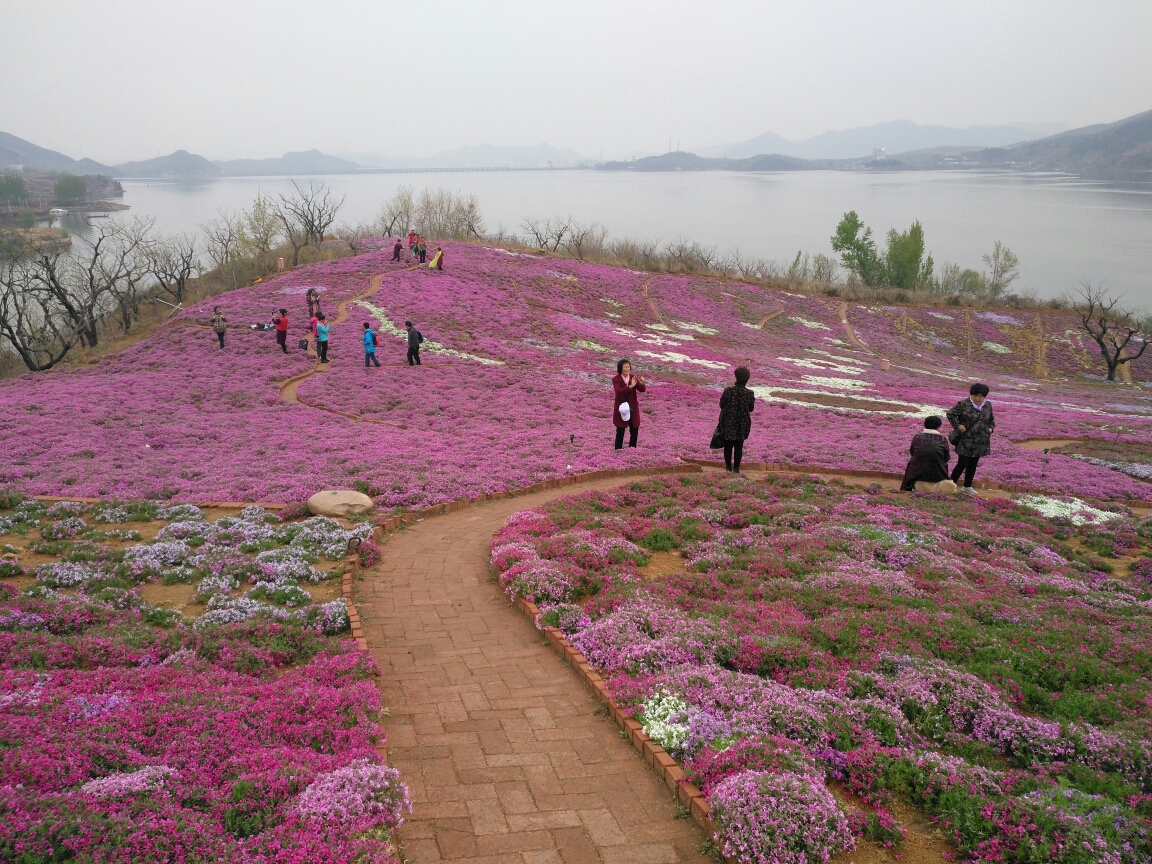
(322,327)
(415,337)
(282,330)
(370,347)
(219,324)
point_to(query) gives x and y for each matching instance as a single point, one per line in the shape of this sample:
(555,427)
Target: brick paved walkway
(496,737)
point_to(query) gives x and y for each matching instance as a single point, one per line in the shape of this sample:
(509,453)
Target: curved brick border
(656,756)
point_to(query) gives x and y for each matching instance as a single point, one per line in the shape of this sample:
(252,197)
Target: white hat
(625,411)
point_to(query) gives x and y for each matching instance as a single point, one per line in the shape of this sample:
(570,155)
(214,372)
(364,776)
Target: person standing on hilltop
(396,250)
(219,325)
(415,337)
(281,323)
(972,428)
(370,347)
(625,409)
(736,406)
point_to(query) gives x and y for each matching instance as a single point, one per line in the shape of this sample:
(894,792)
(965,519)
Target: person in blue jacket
(369,346)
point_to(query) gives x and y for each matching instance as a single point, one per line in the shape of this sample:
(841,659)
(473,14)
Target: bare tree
(29,322)
(1115,329)
(222,240)
(295,232)
(397,215)
(536,230)
(583,239)
(444,214)
(354,234)
(314,209)
(173,261)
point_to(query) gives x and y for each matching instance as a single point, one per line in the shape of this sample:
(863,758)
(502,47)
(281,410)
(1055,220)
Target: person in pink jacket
(626,410)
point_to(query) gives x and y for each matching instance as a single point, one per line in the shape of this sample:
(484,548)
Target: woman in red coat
(626,411)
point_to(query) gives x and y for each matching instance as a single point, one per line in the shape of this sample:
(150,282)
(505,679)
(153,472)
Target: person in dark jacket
(929,462)
(415,337)
(972,425)
(396,250)
(736,406)
(625,409)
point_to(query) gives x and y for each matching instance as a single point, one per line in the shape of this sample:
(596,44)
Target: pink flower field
(515,387)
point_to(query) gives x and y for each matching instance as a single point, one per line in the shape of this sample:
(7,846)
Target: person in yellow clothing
(437,263)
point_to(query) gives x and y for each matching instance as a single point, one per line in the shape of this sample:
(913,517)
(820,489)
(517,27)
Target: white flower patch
(942,316)
(662,331)
(611,314)
(753,326)
(658,339)
(663,328)
(624,331)
(837,357)
(674,357)
(997,318)
(1074,510)
(660,720)
(590,346)
(556,274)
(820,365)
(611,302)
(997,348)
(699,328)
(835,383)
(795,396)
(386,326)
(811,325)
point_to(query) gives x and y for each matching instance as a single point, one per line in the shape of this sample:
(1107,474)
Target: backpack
(375,343)
(419,337)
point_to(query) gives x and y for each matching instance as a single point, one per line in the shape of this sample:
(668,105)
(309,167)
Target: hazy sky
(128,80)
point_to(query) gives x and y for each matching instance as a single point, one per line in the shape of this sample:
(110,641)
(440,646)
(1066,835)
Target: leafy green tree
(70,188)
(853,240)
(12,188)
(27,219)
(1003,269)
(904,259)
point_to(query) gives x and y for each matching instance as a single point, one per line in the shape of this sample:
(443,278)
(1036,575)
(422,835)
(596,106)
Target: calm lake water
(1063,229)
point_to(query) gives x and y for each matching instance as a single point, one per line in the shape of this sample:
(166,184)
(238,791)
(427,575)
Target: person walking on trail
(415,337)
(625,409)
(437,262)
(396,250)
(927,470)
(322,328)
(736,406)
(281,323)
(972,428)
(370,347)
(219,325)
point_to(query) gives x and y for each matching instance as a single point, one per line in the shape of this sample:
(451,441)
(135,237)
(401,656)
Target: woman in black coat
(972,425)
(929,452)
(736,406)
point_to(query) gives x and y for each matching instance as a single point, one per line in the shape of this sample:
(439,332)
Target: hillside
(519,356)
(17,151)
(1125,145)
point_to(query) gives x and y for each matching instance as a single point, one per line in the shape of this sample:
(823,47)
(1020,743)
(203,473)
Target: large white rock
(339,502)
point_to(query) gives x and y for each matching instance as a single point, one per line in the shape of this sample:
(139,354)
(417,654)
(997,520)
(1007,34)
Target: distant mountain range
(898,136)
(1123,146)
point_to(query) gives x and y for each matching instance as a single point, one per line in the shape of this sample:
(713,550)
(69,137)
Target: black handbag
(954,437)
(303,344)
(717,438)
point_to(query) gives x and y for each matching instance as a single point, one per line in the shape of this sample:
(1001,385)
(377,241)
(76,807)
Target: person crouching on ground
(370,347)
(927,470)
(282,330)
(626,410)
(736,406)
(972,428)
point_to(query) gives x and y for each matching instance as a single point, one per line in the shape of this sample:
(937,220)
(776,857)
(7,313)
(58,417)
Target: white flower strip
(834,383)
(811,325)
(997,348)
(387,327)
(820,365)
(674,357)
(794,396)
(1072,509)
(699,328)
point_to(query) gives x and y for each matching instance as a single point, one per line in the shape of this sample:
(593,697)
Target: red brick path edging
(656,756)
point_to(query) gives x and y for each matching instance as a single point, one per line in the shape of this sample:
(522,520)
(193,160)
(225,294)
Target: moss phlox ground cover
(985,661)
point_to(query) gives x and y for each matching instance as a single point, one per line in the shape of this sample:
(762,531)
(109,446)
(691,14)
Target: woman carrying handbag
(736,406)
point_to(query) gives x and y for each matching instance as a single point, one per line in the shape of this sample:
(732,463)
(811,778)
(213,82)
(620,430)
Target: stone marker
(339,502)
